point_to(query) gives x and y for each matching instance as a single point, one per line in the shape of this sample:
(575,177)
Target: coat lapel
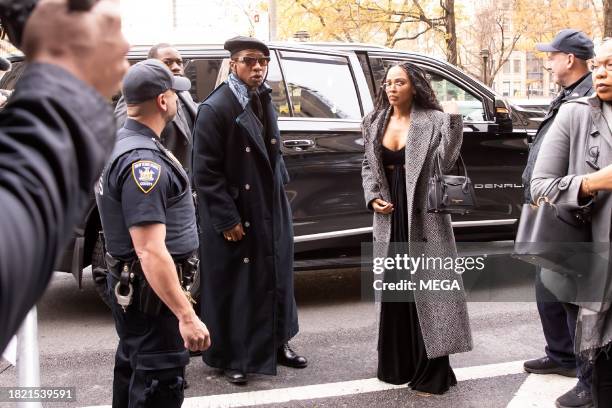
(375,133)
(181,123)
(599,121)
(418,140)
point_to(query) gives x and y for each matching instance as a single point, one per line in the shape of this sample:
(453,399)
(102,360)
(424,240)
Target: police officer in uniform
(148,216)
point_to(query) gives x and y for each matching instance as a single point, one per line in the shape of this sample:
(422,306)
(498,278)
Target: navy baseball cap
(570,41)
(147,79)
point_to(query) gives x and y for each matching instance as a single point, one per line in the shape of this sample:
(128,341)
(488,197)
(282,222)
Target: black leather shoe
(577,397)
(287,357)
(545,365)
(235,377)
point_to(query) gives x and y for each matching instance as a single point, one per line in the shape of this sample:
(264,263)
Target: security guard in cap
(148,217)
(568,55)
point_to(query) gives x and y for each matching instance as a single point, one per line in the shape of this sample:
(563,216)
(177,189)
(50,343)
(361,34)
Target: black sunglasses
(251,61)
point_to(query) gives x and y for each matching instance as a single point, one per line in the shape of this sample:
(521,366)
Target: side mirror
(503,115)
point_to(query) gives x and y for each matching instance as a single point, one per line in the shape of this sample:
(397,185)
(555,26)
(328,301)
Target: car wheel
(99,271)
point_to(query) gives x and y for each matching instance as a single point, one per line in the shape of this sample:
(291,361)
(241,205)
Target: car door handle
(299,144)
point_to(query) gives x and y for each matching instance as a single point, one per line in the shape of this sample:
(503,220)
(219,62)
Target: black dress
(401,351)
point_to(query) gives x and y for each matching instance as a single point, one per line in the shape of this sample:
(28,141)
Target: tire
(98,270)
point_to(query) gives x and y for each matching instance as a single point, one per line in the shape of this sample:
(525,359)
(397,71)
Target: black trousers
(559,326)
(150,359)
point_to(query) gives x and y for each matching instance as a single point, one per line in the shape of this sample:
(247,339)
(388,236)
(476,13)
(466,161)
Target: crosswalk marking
(338,389)
(541,391)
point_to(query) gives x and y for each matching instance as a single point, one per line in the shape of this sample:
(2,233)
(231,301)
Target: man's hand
(235,233)
(90,45)
(381,206)
(194,333)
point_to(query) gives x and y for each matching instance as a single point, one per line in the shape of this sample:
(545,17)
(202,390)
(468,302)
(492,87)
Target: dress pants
(559,326)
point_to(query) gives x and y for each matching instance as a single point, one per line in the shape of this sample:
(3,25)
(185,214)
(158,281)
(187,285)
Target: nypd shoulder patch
(146,174)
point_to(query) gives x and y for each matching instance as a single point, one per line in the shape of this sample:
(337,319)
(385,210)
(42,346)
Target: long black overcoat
(247,286)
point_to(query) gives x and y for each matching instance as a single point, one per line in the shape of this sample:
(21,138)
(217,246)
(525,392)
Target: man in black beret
(245,221)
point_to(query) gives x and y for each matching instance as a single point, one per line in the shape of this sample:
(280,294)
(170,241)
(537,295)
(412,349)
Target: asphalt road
(338,334)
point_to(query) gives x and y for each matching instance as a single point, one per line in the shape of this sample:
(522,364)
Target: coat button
(273,141)
(248,149)
(247,224)
(247,187)
(245,260)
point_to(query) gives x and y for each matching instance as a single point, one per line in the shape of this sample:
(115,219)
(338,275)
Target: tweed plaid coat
(442,315)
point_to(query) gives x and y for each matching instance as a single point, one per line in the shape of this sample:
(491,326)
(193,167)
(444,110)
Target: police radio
(15,13)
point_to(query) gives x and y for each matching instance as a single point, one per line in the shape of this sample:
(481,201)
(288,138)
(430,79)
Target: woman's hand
(601,180)
(381,206)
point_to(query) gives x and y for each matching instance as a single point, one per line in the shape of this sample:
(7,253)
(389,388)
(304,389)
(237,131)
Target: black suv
(321,92)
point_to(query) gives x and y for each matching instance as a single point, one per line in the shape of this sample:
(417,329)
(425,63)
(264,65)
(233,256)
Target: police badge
(146,174)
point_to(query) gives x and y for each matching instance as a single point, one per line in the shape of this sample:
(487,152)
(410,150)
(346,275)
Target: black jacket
(584,88)
(55,135)
(247,286)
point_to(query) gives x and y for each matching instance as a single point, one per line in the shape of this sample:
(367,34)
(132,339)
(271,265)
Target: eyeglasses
(251,61)
(595,65)
(399,84)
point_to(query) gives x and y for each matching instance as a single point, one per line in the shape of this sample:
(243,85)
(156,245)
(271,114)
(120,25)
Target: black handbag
(558,237)
(447,194)
(544,226)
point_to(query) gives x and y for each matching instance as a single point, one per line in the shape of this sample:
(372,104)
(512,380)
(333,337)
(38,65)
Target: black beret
(237,44)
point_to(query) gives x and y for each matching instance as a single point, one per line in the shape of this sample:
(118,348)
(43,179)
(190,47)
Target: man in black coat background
(246,226)
(176,136)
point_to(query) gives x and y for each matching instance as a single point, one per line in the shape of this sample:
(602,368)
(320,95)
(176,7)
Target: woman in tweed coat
(418,328)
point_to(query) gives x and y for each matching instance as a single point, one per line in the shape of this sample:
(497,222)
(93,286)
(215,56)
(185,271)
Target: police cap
(147,79)
(570,41)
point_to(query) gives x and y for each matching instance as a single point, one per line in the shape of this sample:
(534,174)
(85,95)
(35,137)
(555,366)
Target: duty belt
(129,273)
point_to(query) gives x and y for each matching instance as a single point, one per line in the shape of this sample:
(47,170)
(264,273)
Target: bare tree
(364,20)
(607,16)
(492,31)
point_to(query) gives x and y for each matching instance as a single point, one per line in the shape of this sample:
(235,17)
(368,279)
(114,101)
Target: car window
(452,97)
(320,86)
(455,99)
(202,73)
(365,66)
(274,81)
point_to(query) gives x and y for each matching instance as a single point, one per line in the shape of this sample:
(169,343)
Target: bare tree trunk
(272,19)
(451,32)
(607,16)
